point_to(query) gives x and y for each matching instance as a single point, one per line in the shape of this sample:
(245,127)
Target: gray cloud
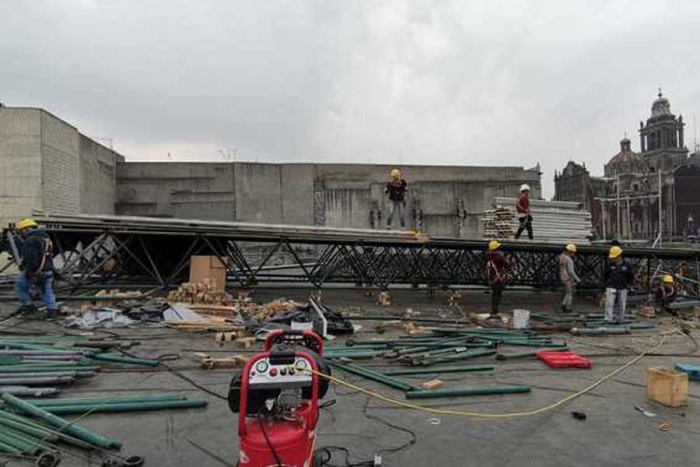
(396,81)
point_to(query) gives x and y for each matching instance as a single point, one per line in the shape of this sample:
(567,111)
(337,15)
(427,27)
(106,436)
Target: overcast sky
(401,82)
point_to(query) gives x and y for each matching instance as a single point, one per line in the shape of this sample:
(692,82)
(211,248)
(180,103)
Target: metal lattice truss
(95,252)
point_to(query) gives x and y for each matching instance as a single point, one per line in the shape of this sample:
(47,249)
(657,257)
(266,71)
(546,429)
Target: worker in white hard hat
(619,278)
(396,189)
(522,205)
(568,276)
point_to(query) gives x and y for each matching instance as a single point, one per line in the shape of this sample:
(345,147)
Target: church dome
(625,156)
(661,107)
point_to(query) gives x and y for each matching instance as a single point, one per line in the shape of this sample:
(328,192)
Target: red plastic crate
(564,359)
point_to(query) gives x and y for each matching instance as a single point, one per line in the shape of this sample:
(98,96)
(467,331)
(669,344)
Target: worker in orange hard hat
(36,268)
(396,189)
(497,268)
(568,276)
(619,278)
(666,293)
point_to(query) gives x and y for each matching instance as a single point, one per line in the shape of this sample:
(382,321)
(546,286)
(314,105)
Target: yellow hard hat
(667,279)
(615,252)
(494,245)
(571,247)
(26,224)
(396,173)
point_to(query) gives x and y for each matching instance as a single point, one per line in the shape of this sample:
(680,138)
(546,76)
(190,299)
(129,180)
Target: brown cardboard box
(667,387)
(208,269)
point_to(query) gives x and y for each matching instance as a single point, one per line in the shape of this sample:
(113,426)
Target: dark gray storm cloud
(395,81)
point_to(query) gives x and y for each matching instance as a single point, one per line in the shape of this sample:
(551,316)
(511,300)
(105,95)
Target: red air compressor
(276,398)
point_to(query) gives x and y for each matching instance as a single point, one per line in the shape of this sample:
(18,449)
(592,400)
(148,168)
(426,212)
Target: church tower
(661,139)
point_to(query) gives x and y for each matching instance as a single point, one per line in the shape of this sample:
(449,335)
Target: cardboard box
(667,387)
(208,269)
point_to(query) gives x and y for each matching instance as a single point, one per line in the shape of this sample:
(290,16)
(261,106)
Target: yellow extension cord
(463,413)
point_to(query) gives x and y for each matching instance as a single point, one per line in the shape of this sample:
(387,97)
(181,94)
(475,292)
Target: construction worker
(36,268)
(522,205)
(497,268)
(666,293)
(568,276)
(396,188)
(619,277)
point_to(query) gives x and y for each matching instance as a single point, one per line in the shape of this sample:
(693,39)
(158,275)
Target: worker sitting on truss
(36,266)
(666,294)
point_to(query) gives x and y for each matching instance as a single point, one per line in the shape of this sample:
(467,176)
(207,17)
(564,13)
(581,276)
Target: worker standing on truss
(36,266)
(396,188)
(619,277)
(497,268)
(568,276)
(522,205)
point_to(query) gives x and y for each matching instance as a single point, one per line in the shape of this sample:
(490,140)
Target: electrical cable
(527,413)
(269,443)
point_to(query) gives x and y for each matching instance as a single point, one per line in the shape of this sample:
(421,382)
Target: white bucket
(521,319)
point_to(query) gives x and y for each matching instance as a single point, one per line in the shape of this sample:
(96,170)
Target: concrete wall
(60,164)
(20,163)
(186,190)
(337,195)
(46,164)
(98,177)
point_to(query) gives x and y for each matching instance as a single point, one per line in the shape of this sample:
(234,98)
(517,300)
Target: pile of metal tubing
(427,353)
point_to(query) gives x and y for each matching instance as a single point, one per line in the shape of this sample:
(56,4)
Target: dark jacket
(618,276)
(496,267)
(396,190)
(665,296)
(36,253)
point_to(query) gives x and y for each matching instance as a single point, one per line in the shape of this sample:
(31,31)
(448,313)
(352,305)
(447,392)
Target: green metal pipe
(31,430)
(58,422)
(47,348)
(115,400)
(34,444)
(25,445)
(474,353)
(105,357)
(47,368)
(124,407)
(75,374)
(367,354)
(473,391)
(375,376)
(527,353)
(535,344)
(63,436)
(9,449)
(446,369)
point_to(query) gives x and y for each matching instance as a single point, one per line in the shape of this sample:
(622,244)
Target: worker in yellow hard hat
(619,278)
(666,294)
(36,268)
(568,276)
(396,189)
(497,268)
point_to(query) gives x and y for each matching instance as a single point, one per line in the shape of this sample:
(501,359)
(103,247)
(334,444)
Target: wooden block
(667,387)
(646,311)
(222,337)
(237,361)
(433,384)
(384,299)
(244,342)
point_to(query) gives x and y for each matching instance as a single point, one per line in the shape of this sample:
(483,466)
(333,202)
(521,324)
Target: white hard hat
(525,187)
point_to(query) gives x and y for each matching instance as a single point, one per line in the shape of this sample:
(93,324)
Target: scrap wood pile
(498,223)
(200,293)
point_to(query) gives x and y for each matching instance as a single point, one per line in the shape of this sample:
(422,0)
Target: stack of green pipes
(426,354)
(34,429)
(38,366)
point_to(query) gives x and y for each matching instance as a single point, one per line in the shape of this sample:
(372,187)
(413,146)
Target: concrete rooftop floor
(614,433)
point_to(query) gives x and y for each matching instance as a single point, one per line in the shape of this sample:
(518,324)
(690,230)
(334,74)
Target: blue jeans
(398,208)
(23,286)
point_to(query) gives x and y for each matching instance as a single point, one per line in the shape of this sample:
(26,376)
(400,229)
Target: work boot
(52,314)
(27,310)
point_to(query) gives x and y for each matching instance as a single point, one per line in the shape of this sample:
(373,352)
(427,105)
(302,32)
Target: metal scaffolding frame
(98,251)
